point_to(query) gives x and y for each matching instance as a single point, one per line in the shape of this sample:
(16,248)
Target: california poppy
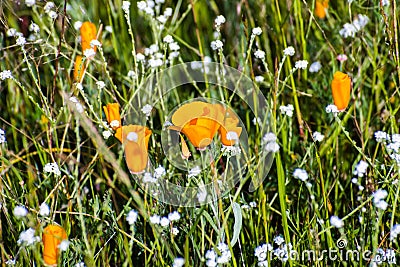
(229,131)
(320,8)
(112,114)
(198,121)
(88,33)
(341,86)
(135,139)
(52,237)
(79,68)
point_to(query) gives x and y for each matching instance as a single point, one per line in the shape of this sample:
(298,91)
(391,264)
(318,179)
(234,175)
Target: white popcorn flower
(256,31)
(3,140)
(385,2)
(257,121)
(159,172)
(382,204)
(289,51)
(52,14)
(317,136)
(301,64)
(194,172)
(360,22)
(44,210)
(30,3)
(52,168)
(5,74)
(79,86)
(394,231)
(231,151)
(178,262)
(216,45)
(253,204)
(21,41)
(379,194)
(147,110)
(261,251)
(219,20)
(300,174)
(132,136)
(259,79)
(154,63)
(348,30)
(20,211)
(155,219)
(272,147)
(162,19)
(175,231)
(27,237)
(336,222)
(125,6)
(131,74)
(94,43)
(148,178)
(381,136)
(77,25)
(168,39)
(140,57)
(164,221)
(100,85)
(287,110)
(141,5)
(11,32)
(168,12)
(396,157)
(114,124)
(331,109)
(315,66)
(173,55)
(279,240)
(78,105)
(174,216)
(33,27)
(89,53)
(259,54)
(361,168)
(396,138)
(269,137)
(63,246)
(49,5)
(109,29)
(132,216)
(106,134)
(148,10)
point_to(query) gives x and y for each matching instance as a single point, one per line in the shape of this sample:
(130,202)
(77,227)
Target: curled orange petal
(185,149)
(113,116)
(229,131)
(341,86)
(52,237)
(88,33)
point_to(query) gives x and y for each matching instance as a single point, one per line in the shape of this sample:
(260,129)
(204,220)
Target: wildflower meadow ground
(199,133)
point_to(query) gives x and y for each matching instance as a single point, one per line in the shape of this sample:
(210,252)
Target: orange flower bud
(135,139)
(341,86)
(52,237)
(320,8)
(112,114)
(79,69)
(88,33)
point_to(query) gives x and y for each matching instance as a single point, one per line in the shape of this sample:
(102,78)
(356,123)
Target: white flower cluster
(392,144)
(300,174)
(287,110)
(315,66)
(52,168)
(317,136)
(5,74)
(337,222)
(289,51)
(394,232)
(44,210)
(219,20)
(230,151)
(350,29)
(146,109)
(30,3)
(194,172)
(361,168)
(256,31)
(166,220)
(270,144)
(27,237)
(217,45)
(100,85)
(261,252)
(301,64)
(378,199)
(259,54)
(213,259)
(48,10)
(281,253)
(20,211)
(381,256)
(2,136)
(178,262)
(132,217)
(332,109)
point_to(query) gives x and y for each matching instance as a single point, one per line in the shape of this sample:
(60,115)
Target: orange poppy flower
(52,237)
(79,68)
(113,116)
(229,131)
(198,121)
(341,86)
(88,33)
(135,139)
(320,8)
